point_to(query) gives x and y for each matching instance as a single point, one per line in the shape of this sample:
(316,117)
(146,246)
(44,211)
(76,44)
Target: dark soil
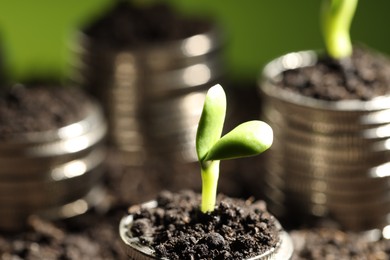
(237,229)
(47,240)
(330,243)
(33,109)
(127,25)
(365,76)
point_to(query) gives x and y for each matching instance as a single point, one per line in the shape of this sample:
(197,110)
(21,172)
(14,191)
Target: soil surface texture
(237,229)
(364,76)
(34,109)
(128,25)
(331,243)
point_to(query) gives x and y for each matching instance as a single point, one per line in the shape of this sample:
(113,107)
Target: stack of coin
(329,159)
(153,94)
(55,173)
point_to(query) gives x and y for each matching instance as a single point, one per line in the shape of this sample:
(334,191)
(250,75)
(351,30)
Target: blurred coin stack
(54,173)
(152,92)
(328,159)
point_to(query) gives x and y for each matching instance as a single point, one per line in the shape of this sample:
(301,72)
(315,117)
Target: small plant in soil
(345,71)
(248,139)
(187,225)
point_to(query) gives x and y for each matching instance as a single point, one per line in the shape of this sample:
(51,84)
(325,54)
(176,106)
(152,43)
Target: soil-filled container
(330,158)
(51,154)
(172,227)
(150,67)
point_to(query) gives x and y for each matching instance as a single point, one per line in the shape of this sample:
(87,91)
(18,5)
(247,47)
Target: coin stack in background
(155,96)
(54,173)
(153,93)
(331,162)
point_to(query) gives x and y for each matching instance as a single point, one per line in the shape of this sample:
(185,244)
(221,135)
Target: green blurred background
(37,36)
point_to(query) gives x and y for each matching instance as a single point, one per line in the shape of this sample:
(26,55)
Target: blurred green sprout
(247,139)
(336,17)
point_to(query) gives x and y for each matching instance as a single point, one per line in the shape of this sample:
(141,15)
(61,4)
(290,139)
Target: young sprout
(336,21)
(248,139)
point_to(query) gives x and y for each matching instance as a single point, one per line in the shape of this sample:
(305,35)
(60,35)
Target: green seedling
(247,139)
(336,17)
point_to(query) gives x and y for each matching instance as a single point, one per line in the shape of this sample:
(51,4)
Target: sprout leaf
(211,121)
(248,139)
